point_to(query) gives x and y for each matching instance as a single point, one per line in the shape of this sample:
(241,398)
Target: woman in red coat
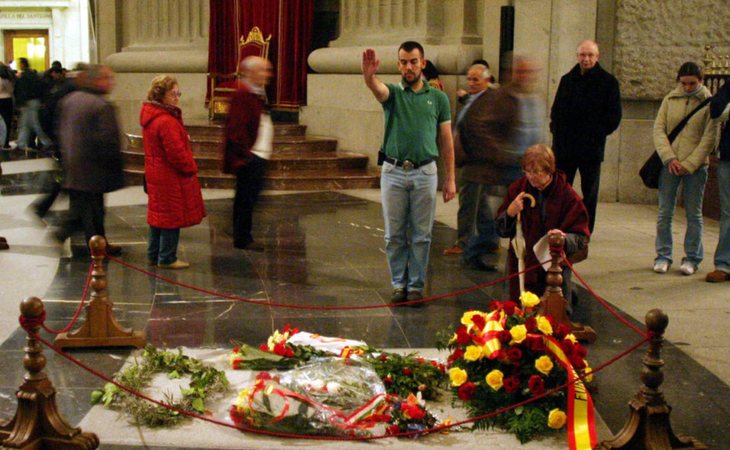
(175,200)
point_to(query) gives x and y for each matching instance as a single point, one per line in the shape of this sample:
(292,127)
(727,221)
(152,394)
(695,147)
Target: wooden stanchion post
(37,423)
(648,426)
(100,328)
(553,302)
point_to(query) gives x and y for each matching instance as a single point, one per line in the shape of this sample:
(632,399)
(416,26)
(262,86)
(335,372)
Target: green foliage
(204,381)
(406,374)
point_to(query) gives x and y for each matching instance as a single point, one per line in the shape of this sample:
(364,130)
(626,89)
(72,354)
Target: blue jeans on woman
(162,245)
(409,207)
(722,252)
(694,191)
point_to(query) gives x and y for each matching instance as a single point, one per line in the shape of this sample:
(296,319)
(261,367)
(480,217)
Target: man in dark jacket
(587,108)
(719,106)
(248,144)
(90,144)
(28,95)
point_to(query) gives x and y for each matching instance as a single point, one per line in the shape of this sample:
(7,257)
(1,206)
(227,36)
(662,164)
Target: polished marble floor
(322,249)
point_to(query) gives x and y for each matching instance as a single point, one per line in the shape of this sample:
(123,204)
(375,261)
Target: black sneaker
(398,295)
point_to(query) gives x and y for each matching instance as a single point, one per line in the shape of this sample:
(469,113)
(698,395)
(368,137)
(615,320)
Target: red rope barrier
(601,300)
(329,438)
(78,310)
(316,307)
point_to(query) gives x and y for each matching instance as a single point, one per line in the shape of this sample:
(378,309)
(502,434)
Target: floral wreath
(204,381)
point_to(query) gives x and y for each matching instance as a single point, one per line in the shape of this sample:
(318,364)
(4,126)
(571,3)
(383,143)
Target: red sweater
(242,128)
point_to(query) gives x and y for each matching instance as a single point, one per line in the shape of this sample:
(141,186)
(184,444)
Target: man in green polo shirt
(416,116)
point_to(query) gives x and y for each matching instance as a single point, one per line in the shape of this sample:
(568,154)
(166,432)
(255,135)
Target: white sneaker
(688,268)
(661,266)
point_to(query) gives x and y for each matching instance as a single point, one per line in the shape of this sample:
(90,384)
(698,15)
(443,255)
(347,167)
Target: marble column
(142,38)
(447,29)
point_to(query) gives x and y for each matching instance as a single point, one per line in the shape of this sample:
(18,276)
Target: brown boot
(717,276)
(176,265)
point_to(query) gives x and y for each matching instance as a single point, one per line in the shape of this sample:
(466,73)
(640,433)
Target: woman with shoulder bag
(174,197)
(685,159)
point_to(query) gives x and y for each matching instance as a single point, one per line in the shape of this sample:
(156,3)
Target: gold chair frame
(220,97)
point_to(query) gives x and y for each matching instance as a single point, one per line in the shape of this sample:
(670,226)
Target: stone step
(296,144)
(280,161)
(213,128)
(300,180)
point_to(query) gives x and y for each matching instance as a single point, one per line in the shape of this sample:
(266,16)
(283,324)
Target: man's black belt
(407,164)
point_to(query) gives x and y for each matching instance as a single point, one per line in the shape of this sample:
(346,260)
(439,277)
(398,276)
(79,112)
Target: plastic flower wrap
(330,396)
(507,355)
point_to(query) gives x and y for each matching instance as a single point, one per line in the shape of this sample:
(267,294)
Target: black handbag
(651,169)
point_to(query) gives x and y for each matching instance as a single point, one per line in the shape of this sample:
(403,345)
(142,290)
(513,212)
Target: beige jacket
(695,143)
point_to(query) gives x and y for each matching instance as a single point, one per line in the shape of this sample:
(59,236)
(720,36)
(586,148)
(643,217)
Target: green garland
(204,381)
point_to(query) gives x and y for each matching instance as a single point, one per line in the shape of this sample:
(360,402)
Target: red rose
(509,307)
(420,360)
(560,331)
(434,363)
(387,380)
(531,325)
(511,384)
(494,305)
(466,391)
(580,351)
(264,348)
(407,371)
(236,364)
(393,429)
(514,354)
(535,343)
(383,357)
(536,385)
(288,352)
(456,354)
(462,337)
(505,336)
(263,376)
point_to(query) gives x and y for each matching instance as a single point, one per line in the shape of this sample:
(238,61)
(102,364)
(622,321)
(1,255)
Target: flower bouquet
(289,348)
(510,355)
(327,397)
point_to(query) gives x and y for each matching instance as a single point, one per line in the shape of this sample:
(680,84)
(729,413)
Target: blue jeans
(162,246)
(484,237)
(29,121)
(694,191)
(722,252)
(409,207)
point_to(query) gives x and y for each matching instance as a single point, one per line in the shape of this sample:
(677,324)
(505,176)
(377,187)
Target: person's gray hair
(484,70)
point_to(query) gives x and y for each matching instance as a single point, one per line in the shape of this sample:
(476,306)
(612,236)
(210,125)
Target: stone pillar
(140,39)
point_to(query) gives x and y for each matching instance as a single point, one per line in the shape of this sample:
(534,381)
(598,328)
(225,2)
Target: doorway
(31,44)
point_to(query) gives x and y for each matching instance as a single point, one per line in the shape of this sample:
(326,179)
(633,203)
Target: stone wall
(654,37)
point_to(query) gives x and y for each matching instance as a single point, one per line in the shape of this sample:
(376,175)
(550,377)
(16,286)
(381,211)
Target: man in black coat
(587,108)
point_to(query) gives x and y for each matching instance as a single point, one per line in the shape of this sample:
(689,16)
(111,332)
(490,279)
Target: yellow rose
(242,401)
(588,373)
(457,376)
(529,299)
(544,325)
(473,353)
(556,419)
(494,379)
(544,364)
(519,333)
(571,337)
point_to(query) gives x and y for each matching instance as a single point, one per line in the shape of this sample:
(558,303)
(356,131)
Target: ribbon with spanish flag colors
(581,421)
